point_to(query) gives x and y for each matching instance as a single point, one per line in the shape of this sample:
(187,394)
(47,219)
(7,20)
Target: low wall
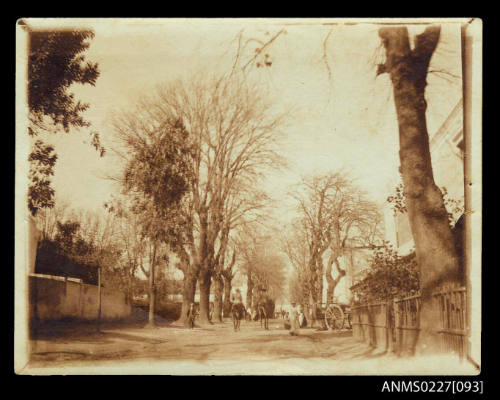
(54,298)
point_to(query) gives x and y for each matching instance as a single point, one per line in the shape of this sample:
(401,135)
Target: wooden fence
(394,325)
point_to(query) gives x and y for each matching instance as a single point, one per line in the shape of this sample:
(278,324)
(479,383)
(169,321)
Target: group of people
(295,316)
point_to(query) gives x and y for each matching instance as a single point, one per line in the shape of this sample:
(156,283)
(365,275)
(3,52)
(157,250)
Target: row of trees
(334,213)
(193,153)
(335,218)
(407,62)
(262,265)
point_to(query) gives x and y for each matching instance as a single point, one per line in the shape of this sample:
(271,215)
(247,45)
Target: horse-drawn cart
(335,316)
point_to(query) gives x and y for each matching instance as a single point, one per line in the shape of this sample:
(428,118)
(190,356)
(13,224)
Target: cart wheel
(334,317)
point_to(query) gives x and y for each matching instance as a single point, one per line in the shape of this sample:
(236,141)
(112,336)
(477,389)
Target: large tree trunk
(227,275)
(313,281)
(330,291)
(249,290)
(434,246)
(188,292)
(205,280)
(319,267)
(332,283)
(312,291)
(218,289)
(227,297)
(218,279)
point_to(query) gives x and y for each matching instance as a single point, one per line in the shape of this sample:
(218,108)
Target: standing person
(302,317)
(191,315)
(294,320)
(262,302)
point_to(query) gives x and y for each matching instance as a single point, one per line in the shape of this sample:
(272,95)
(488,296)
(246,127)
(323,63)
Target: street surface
(216,349)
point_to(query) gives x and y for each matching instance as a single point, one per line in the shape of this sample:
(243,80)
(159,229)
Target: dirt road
(208,350)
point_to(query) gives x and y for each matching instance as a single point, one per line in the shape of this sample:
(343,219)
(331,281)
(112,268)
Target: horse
(237,313)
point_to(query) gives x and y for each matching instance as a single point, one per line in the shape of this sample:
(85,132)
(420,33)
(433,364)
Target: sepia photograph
(248,196)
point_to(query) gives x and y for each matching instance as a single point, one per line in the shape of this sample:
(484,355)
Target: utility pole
(152,289)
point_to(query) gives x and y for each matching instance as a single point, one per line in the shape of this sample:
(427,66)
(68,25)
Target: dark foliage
(68,254)
(51,259)
(56,61)
(390,275)
(42,160)
(157,176)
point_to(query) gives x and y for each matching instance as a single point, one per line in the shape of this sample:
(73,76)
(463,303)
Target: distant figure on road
(294,320)
(262,302)
(237,309)
(236,298)
(302,317)
(191,315)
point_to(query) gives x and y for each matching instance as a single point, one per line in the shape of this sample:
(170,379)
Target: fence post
(394,335)
(397,324)
(388,335)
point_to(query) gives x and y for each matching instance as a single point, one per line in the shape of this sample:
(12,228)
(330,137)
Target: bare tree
(334,216)
(357,227)
(234,134)
(296,248)
(222,278)
(134,244)
(261,264)
(228,274)
(247,243)
(318,216)
(47,218)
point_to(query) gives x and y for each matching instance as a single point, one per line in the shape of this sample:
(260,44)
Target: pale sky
(347,120)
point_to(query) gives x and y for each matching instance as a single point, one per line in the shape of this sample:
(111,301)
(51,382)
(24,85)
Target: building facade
(447,155)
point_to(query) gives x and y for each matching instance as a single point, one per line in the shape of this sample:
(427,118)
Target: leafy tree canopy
(156,177)
(56,61)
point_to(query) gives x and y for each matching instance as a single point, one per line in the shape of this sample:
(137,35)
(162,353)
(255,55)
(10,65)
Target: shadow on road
(133,340)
